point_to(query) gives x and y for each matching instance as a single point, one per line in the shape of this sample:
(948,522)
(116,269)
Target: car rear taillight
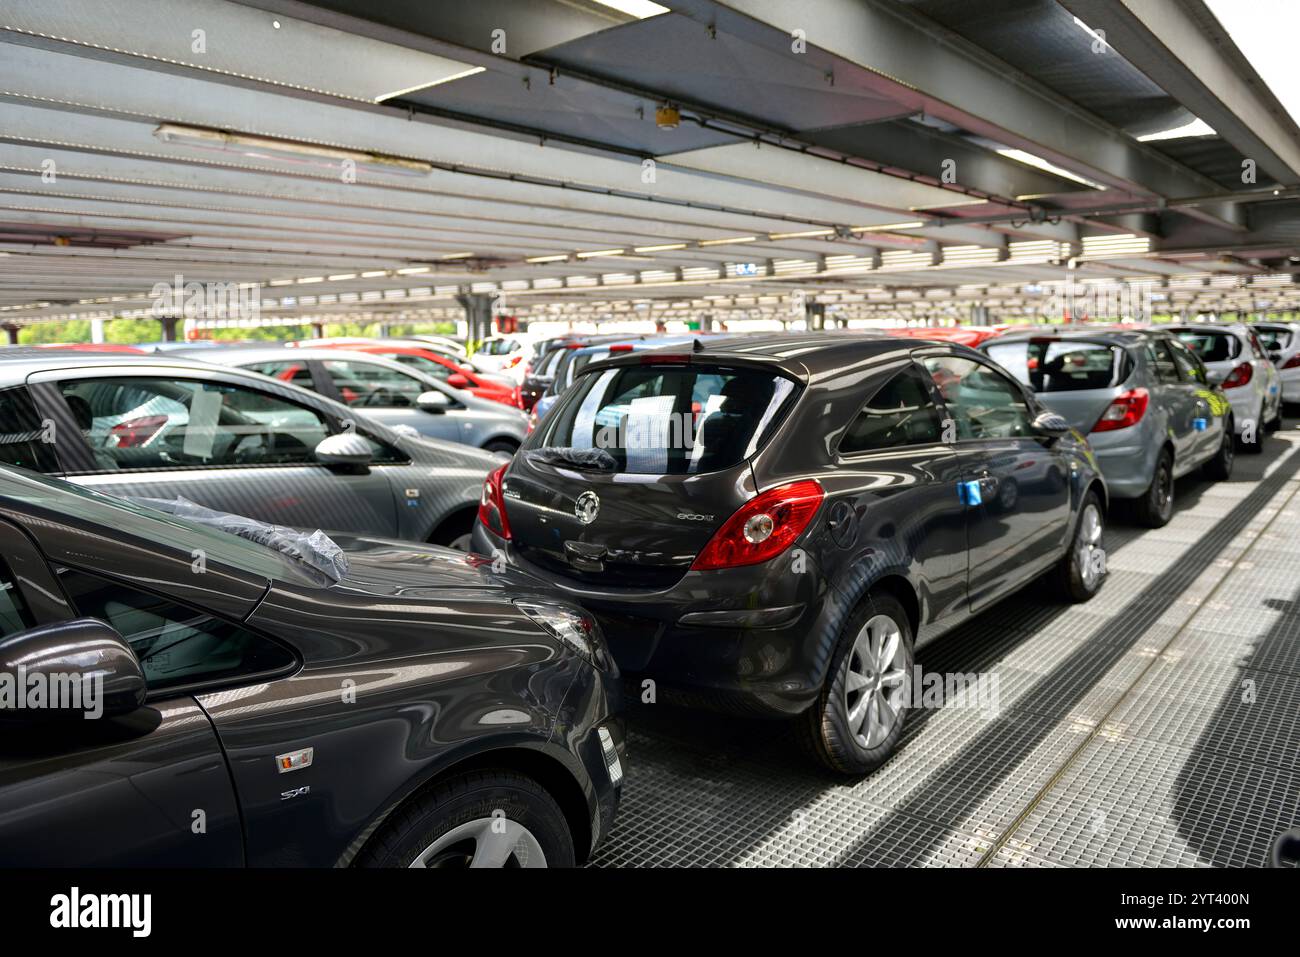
(492,504)
(514,362)
(1239,376)
(762,528)
(652,358)
(1126,409)
(1293,362)
(136,432)
(621,347)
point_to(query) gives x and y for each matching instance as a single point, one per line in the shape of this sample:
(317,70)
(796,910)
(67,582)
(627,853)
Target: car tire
(456,532)
(1275,424)
(1082,569)
(502,446)
(1219,468)
(1156,506)
(490,818)
(847,730)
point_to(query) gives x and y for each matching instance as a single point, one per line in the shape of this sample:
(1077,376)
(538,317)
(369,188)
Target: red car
(964,335)
(456,375)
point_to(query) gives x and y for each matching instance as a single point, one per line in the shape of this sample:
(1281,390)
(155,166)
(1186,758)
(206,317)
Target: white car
(1236,360)
(502,354)
(1281,340)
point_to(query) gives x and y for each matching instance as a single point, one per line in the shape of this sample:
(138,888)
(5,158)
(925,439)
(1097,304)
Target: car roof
(18,362)
(1095,334)
(801,354)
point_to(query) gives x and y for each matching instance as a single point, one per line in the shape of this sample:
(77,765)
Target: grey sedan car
(1143,399)
(234,441)
(386,391)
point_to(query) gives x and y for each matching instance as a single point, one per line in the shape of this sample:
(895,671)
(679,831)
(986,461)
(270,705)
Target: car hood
(407,570)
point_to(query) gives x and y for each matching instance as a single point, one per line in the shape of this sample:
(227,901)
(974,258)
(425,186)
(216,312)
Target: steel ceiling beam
(1181,46)
(934,72)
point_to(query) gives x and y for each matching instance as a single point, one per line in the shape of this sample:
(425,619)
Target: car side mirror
(83,669)
(1050,423)
(343,448)
(434,401)
(457,381)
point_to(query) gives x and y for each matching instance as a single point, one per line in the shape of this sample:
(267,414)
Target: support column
(478,314)
(169,327)
(12,332)
(97,331)
(318,330)
(815,314)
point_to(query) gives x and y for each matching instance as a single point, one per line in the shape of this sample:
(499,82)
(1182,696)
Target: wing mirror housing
(1051,424)
(434,401)
(79,669)
(457,381)
(347,449)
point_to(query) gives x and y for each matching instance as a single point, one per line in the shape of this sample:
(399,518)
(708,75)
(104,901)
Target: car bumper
(751,639)
(1126,458)
(1290,384)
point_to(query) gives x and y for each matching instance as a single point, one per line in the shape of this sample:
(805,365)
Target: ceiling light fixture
(641,9)
(665,247)
(1029,159)
(886,227)
(600,253)
(457,256)
(806,234)
(432,83)
(1198,127)
(731,240)
(308,154)
(548,259)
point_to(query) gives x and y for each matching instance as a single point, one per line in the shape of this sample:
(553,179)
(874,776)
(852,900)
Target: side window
(135,423)
(22,433)
(295,373)
(900,413)
(1162,362)
(1189,367)
(14,616)
(365,385)
(175,644)
(984,403)
(425,365)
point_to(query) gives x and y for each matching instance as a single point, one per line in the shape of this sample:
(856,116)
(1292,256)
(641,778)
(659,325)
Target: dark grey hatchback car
(175,695)
(776,523)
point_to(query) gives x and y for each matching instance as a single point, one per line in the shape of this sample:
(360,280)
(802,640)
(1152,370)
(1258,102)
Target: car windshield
(1211,346)
(1061,365)
(666,419)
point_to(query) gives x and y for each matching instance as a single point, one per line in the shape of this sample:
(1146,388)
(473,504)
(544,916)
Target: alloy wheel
(1087,545)
(484,842)
(875,687)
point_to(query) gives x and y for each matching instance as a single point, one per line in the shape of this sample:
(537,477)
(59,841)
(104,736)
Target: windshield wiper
(596,459)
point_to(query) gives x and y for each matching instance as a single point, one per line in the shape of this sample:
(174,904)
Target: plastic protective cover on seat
(315,549)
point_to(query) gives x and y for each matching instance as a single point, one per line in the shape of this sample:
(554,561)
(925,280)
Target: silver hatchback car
(1142,398)
(1236,360)
(386,391)
(233,441)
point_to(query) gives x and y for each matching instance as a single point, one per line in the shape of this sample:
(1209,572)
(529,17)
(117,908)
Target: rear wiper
(596,459)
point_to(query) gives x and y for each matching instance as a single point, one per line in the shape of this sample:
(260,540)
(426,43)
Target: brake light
(1125,410)
(492,504)
(621,347)
(514,362)
(762,528)
(136,432)
(650,358)
(1239,376)
(1293,362)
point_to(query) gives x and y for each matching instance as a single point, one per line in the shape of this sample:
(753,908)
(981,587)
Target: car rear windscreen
(1274,340)
(1211,346)
(1062,365)
(662,419)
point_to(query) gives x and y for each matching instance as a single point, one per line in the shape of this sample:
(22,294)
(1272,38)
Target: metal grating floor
(1159,724)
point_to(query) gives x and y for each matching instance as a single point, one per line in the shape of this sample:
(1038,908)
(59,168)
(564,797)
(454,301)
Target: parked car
(776,522)
(416,709)
(233,441)
(455,373)
(386,391)
(540,370)
(502,354)
(1143,399)
(1281,342)
(1237,362)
